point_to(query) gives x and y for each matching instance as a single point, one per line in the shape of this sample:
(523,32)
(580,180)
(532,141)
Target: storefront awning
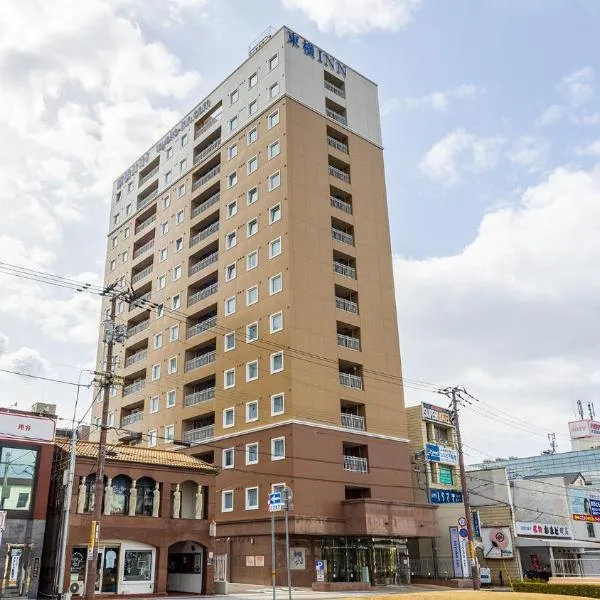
(530,542)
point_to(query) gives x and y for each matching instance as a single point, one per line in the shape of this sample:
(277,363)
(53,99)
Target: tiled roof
(137,454)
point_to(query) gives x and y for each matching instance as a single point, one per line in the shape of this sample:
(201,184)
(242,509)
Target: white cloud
(356,17)
(440,101)
(513,315)
(578,87)
(459,152)
(592,149)
(550,115)
(529,152)
(25,360)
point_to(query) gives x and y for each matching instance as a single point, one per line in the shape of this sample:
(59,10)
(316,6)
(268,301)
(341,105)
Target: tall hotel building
(263,333)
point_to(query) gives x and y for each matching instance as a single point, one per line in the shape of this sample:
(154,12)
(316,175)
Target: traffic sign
(275,502)
(463,532)
(462,522)
(320,565)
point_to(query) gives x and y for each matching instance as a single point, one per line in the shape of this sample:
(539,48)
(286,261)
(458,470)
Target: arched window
(121,486)
(188,499)
(90,493)
(145,496)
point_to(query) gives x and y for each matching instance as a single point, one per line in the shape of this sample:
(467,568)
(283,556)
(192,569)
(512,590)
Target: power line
(29,375)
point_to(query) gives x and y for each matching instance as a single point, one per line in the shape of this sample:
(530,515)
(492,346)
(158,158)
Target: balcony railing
(201,396)
(132,418)
(205,205)
(335,89)
(356,464)
(132,388)
(339,174)
(207,151)
(347,305)
(352,381)
(140,355)
(144,248)
(148,176)
(200,434)
(341,236)
(140,302)
(209,123)
(147,199)
(200,327)
(202,264)
(353,422)
(341,204)
(204,233)
(131,331)
(141,274)
(145,223)
(344,270)
(336,116)
(348,342)
(206,177)
(337,144)
(203,293)
(201,361)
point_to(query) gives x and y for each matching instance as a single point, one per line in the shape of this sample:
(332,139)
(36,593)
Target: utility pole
(434,549)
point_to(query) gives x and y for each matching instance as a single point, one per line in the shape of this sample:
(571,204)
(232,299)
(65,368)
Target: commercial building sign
(543,529)
(437,414)
(14,425)
(497,542)
(314,52)
(584,428)
(441,454)
(437,496)
(585,505)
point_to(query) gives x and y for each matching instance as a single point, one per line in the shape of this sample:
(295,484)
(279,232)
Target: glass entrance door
(107,574)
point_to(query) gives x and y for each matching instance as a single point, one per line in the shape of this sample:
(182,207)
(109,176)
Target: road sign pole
(287,548)
(273,562)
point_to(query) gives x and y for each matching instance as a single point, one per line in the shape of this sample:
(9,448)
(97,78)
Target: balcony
(205,205)
(204,233)
(141,274)
(210,122)
(142,202)
(145,247)
(347,341)
(356,464)
(205,292)
(336,116)
(335,172)
(141,226)
(200,434)
(131,418)
(134,358)
(206,177)
(341,236)
(131,331)
(351,381)
(204,154)
(347,305)
(344,270)
(337,144)
(132,388)
(341,204)
(202,264)
(198,397)
(148,176)
(350,421)
(201,326)
(338,91)
(140,302)
(201,361)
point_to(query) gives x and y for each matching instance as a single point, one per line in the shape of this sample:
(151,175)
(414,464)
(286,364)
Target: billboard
(584,428)
(585,504)
(437,414)
(31,427)
(441,454)
(497,542)
(543,529)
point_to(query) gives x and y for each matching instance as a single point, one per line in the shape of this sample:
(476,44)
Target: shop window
(121,486)
(144,501)
(17,472)
(137,565)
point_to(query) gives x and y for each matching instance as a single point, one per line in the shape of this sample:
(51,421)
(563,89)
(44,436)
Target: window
(112,265)
(169,433)
(18,466)
(180,216)
(252,295)
(162,254)
(230,240)
(228,417)
(160,311)
(120,307)
(174,333)
(251,498)
(273,119)
(230,272)
(590,528)
(275,284)
(273,62)
(252,411)
(275,247)
(128,210)
(232,179)
(252,107)
(158,340)
(445,475)
(232,151)
(184,140)
(252,370)
(233,123)
(125,256)
(276,362)
(229,306)
(168,177)
(182,165)
(252,136)
(252,80)
(229,341)
(277,404)
(252,453)
(177,273)
(179,244)
(116,219)
(162,282)
(172,366)
(274,181)
(228,458)
(252,196)
(252,260)
(113,392)
(126,232)
(151,438)
(274,91)
(130,186)
(277,448)
(181,190)
(176,302)
(227,501)
(155,372)
(233,96)
(251,332)
(115,241)
(274,149)
(276,322)
(169,151)
(252,164)
(232,209)
(154,404)
(274,214)
(229,379)
(166,202)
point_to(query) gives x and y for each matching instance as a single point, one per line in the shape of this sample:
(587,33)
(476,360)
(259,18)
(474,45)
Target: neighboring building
(256,237)
(26,447)
(155,530)
(585,434)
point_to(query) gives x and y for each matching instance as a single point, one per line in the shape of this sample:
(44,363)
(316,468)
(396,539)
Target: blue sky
(490,116)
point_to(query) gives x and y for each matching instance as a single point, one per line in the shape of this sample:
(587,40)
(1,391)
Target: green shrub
(566,589)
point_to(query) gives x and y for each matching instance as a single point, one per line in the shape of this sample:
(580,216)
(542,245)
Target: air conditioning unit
(77,588)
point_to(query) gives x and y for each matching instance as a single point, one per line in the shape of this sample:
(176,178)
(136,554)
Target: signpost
(274,506)
(281,501)
(320,568)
